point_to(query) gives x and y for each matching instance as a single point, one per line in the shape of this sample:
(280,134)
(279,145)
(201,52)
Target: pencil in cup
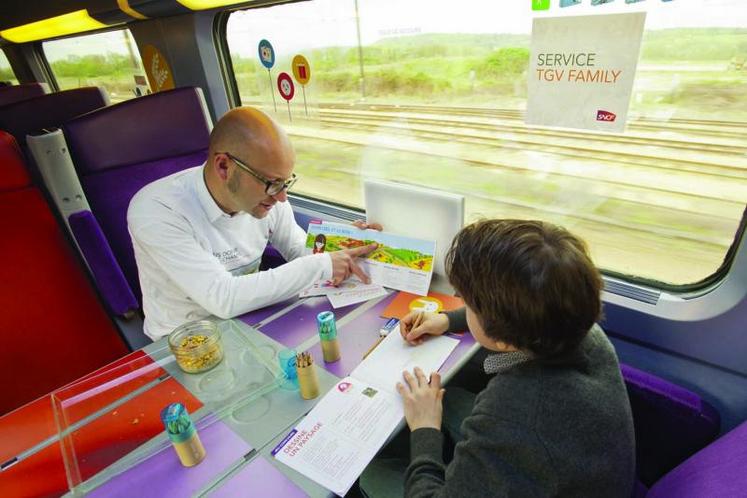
(308,382)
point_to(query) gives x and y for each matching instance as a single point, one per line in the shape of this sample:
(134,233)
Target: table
(251,430)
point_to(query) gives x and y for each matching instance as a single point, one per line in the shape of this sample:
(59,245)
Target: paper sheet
(333,444)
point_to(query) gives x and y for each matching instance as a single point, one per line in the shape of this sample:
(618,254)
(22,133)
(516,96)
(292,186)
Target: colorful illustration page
(401,263)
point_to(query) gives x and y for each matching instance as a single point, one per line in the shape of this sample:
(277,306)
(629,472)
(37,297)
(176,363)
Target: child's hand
(422,400)
(418,324)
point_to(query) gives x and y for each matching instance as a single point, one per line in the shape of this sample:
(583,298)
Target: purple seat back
(718,470)
(671,423)
(49,111)
(119,149)
(16,93)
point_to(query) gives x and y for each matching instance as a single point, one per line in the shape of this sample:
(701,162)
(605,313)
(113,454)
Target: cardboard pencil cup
(328,336)
(183,434)
(308,382)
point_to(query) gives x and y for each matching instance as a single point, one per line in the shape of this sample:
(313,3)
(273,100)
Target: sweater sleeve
(457,320)
(495,460)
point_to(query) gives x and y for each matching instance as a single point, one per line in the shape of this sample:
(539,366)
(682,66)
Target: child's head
(530,284)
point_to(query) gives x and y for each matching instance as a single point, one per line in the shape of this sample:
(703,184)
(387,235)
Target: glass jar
(197,346)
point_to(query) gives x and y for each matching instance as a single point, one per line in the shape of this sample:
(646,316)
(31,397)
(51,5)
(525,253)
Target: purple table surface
(163,475)
(254,317)
(356,338)
(259,479)
(299,324)
(466,341)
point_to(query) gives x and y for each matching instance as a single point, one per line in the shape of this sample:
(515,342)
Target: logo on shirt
(227,256)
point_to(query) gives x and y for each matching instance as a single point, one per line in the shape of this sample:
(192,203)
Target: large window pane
(6,72)
(435,93)
(108,60)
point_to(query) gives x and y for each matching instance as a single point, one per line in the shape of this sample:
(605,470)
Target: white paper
(402,263)
(325,288)
(346,298)
(384,366)
(333,444)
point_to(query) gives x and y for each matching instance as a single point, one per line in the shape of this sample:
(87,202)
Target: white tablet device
(417,212)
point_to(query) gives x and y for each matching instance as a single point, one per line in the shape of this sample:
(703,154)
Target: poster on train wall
(581,70)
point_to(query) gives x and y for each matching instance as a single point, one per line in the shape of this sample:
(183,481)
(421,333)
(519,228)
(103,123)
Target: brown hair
(531,284)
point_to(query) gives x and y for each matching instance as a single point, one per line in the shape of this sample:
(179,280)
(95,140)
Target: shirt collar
(500,362)
(211,208)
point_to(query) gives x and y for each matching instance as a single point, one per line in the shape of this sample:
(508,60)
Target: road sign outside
(266,54)
(285,86)
(301,69)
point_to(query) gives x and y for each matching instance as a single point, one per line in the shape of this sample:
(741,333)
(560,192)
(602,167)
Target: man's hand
(343,264)
(423,401)
(418,324)
(363,225)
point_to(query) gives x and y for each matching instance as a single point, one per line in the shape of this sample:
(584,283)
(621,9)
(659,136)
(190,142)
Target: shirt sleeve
(173,248)
(287,237)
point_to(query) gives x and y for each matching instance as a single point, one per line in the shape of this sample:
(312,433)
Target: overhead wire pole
(360,51)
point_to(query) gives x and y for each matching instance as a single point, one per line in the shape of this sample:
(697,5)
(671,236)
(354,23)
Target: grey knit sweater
(560,428)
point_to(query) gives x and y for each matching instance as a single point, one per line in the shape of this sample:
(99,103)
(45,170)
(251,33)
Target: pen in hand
(406,328)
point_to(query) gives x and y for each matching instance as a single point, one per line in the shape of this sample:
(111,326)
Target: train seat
(16,93)
(718,470)
(671,423)
(121,148)
(48,111)
(54,328)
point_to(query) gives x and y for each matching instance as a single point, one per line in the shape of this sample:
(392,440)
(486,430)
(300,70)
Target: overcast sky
(322,23)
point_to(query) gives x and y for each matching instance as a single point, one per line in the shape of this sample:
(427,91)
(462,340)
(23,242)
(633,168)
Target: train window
(109,60)
(6,72)
(433,92)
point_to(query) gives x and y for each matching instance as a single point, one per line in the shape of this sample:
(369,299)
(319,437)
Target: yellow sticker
(157,69)
(301,69)
(426,303)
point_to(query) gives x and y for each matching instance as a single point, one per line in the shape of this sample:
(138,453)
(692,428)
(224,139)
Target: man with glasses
(199,234)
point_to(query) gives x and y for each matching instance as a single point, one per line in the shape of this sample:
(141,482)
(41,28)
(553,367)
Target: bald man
(199,234)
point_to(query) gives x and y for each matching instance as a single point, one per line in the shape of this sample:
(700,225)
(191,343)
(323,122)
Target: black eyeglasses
(272,187)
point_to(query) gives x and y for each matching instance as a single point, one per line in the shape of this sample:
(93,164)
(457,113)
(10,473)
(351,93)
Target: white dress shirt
(194,260)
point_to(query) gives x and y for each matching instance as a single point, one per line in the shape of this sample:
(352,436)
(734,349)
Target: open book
(399,262)
(333,444)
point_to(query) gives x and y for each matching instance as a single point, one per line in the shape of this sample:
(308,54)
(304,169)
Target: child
(553,418)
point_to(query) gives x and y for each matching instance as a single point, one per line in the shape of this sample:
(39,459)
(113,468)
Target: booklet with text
(402,263)
(337,439)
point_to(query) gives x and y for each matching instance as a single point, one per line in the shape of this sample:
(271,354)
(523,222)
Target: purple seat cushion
(718,470)
(109,194)
(16,93)
(271,258)
(106,272)
(671,423)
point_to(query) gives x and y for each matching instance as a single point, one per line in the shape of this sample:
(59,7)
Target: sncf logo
(606,116)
